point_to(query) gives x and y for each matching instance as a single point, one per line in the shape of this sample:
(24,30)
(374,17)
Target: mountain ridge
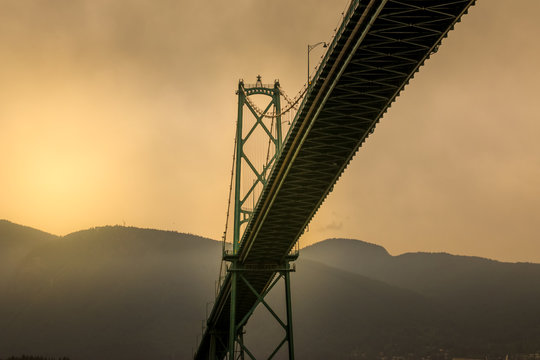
(4,224)
(142,293)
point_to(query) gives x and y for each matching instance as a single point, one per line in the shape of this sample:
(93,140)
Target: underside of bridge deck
(377,50)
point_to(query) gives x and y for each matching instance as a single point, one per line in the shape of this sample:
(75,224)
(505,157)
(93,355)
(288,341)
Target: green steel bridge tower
(374,53)
(272,113)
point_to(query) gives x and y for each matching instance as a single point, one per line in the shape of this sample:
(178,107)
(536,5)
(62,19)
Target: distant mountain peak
(345,244)
(131,232)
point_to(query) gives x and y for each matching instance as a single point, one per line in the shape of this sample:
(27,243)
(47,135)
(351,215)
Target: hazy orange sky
(116,112)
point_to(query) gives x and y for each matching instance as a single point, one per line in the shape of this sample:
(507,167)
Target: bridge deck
(378,48)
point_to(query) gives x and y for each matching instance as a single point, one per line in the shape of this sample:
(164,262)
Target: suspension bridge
(274,193)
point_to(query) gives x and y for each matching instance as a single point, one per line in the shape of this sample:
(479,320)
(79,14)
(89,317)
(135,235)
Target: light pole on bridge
(309,48)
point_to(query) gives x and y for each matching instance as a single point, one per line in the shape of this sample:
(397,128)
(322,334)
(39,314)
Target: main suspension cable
(292,103)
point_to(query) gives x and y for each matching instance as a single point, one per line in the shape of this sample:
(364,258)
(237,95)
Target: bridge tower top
(251,131)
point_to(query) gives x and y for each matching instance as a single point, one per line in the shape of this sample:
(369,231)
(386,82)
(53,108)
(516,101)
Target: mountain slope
(438,275)
(16,241)
(128,293)
(110,293)
(494,306)
(340,310)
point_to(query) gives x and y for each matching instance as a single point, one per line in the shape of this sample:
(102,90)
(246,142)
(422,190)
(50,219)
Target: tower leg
(288,304)
(241,341)
(212,352)
(237,349)
(232,320)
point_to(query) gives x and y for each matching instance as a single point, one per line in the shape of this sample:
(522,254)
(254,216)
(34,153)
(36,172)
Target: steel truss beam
(237,347)
(376,51)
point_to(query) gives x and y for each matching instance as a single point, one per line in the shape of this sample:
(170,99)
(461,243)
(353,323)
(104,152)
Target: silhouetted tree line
(30,357)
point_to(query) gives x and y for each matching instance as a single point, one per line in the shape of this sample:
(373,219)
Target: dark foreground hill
(109,293)
(128,293)
(489,307)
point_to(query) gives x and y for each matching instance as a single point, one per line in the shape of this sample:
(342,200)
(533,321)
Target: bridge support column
(232,325)
(288,302)
(212,352)
(244,288)
(240,277)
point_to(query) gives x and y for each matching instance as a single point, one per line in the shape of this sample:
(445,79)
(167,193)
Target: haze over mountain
(127,293)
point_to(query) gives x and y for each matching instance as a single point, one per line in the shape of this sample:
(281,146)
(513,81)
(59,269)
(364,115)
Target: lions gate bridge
(279,181)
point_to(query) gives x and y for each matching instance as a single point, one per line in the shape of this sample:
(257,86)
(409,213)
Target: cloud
(128,107)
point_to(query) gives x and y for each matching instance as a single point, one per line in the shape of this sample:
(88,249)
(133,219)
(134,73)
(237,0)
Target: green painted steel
(238,168)
(237,348)
(288,305)
(232,308)
(242,215)
(376,51)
